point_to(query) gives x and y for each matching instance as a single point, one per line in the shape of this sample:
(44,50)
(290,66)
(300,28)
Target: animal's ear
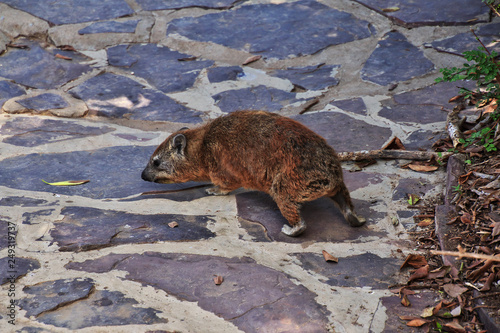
(179,143)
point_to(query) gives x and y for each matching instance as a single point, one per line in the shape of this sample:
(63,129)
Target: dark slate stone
(275,30)
(423,139)
(4,229)
(355,105)
(178,4)
(110,26)
(77,230)
(48,296)
(33,330)
(116,96)
(23,202)
(310,77)
(254,98)
(419,13)
(31,217)
(108,179)
(72,11)
(252,296)
(466,41)
(324,221)
(422,106)
(33,131)
(11,269)
(365,270)
(9,90)
(61,303)
(407,186)
(394,60)
(344,133)
(38,68)
(394,310)
(44,102)
(219,74)
(160,66)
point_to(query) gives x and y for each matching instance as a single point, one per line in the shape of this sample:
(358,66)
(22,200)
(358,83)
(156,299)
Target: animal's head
(167,164)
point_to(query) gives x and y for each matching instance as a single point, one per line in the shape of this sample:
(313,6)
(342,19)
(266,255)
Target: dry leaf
(425,223)
(60,56)
(417,322)
(428,312)
(390,9)
(329,257)
(66,48)
(218,279)
(420,273)
(466,218)
(454,289)
(423,168)
(67,182)
(251,59)
(173,224)
(415,261)
(405,301)
(395,143)
(187,59)
(454,327)
(496,229)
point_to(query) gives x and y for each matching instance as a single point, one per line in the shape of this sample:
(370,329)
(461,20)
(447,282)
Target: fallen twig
(392,154)
(461,253)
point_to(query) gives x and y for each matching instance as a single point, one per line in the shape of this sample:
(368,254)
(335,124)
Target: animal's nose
(146,175)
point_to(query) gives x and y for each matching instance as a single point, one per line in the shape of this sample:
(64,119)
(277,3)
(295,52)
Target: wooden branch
(392,154)
(453,126)
(463,254)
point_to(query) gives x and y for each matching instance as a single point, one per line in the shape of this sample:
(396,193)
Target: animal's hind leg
(343,199)
(290,211)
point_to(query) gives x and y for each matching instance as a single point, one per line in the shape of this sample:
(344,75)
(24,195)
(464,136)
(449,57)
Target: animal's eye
(156,162)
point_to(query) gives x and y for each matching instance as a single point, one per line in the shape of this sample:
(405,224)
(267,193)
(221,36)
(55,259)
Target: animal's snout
(147,176)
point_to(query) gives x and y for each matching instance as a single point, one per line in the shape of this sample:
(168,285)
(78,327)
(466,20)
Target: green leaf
(413,199)
(67,182)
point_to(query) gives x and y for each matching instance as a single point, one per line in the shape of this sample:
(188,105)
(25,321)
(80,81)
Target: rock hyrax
(256,150)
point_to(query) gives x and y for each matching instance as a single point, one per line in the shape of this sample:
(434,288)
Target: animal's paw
(215,190)
(355,221)
(296,230)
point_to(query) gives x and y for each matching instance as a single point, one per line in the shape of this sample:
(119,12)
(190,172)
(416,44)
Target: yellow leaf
(423,168)
(67,182)
(390,9)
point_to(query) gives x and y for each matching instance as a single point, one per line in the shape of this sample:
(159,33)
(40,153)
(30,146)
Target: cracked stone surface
(250,295)
(102,256)
(75,232)
(260,28)
(413,14)
(395,59)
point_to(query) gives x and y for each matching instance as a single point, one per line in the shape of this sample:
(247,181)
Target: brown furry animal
(256,150)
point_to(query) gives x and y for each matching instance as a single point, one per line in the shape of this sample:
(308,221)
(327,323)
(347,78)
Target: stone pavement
(89,88)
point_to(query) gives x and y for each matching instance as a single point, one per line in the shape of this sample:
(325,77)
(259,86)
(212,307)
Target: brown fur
(256,150)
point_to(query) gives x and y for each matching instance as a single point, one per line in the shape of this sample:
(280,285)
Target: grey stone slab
(252,296)
(421,106)
(75,304)
(254,98)
(11,269)
(466,41)
(44,102)
(9,90)
(108,178)
(355,105)
(116,96)
(420,13)
(77,230)
(110,27)
(365,270)
(344,133)
(395,60)
(4,229)
(220,74)
(324,221)
(33,131)
(158,65)
(310,77)
(423,139)
(39,68)
(33,217)
(178,4)
(394,310)
(23,202)
(72,11)
(275,30)
(406,186)
(48,296)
